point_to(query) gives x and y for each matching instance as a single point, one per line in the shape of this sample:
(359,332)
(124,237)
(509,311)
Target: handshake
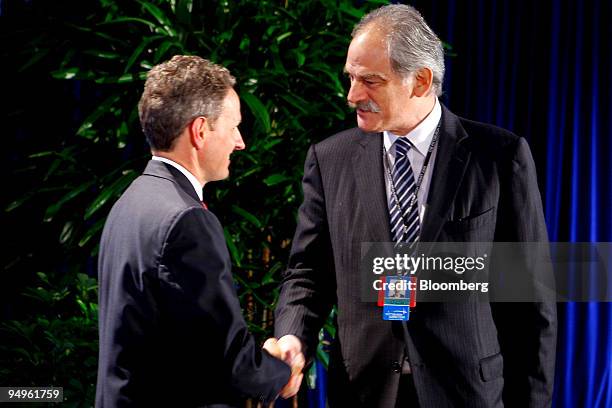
(288,349)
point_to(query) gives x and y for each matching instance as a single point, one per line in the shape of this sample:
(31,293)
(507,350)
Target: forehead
(367,54)
(231,105)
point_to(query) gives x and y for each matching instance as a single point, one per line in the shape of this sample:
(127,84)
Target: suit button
(396,366)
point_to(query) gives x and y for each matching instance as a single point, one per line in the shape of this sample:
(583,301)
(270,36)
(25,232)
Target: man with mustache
(171,329)
(413,171)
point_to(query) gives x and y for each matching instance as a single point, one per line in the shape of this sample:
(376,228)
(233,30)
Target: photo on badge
(397,298)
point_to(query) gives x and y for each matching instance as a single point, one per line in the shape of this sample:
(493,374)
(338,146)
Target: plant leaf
(54,208)
(236,255)
(92,231)
(258,109)
(96,114)
(114,189)
(160,17)
(275,179)
(246,215)
(138,51)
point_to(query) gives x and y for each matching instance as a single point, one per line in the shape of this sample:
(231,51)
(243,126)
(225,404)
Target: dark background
(539,68)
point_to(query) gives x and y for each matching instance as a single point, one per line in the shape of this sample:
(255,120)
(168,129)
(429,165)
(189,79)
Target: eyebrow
(369,75)
(373,76)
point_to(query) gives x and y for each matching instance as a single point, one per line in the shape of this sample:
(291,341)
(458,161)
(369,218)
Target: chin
(367,126)
(220,176)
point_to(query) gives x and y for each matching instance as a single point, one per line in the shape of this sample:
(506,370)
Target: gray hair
(178,91)
(411,44)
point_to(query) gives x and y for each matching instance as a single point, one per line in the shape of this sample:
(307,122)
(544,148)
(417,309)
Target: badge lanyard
(398,307)
(413,197)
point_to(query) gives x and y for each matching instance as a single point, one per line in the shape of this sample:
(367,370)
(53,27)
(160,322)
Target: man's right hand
(289,349)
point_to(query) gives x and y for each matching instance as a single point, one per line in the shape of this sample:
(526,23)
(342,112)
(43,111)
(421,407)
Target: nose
(239,143)
(355,93)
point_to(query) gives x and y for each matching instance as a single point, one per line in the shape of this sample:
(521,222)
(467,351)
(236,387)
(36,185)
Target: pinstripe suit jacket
(467,354)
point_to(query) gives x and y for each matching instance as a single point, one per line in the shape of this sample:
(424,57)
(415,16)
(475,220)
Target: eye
(372,80)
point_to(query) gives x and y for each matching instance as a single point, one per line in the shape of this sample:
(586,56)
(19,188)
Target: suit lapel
(451,161)
(369,173)
(160,169)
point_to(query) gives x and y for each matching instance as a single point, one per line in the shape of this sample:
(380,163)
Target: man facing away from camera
(414,171)
(171,328)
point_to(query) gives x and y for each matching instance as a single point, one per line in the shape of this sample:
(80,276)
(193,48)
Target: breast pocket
(483,221)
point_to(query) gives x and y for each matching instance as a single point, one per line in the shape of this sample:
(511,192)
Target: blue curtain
(542,69)
(577,193)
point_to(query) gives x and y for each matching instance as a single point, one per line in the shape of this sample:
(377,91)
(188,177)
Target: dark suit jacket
(171,328)
(464,354)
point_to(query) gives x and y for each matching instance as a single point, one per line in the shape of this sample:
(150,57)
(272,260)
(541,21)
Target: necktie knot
(402,145)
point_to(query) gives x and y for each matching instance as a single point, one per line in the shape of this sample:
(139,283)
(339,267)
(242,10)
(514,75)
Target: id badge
(396,304)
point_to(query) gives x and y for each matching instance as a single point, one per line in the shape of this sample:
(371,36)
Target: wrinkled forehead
(368,54)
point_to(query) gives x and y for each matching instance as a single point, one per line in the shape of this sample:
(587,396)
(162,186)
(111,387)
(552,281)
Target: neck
(415,117)
(183,160)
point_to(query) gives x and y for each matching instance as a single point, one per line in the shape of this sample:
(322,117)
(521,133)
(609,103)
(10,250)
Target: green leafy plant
(287,57)
(57,345)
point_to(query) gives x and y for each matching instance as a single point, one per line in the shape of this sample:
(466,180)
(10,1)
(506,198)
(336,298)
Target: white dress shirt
(192,179)
(420,137)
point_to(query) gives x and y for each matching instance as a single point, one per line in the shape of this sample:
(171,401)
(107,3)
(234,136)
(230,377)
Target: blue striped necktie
(404,221)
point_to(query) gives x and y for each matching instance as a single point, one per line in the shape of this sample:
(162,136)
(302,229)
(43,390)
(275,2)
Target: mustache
(367,106)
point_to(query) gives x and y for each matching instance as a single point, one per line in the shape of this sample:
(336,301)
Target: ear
(423,81)
(198,131)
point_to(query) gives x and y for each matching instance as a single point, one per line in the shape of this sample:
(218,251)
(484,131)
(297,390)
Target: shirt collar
(420,137)
(192,179)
